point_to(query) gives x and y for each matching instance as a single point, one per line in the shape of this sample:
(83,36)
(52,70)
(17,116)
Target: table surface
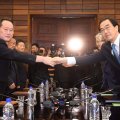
(2,103)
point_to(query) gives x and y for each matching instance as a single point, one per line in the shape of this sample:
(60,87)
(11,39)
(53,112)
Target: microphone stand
(83,79)
(97,94)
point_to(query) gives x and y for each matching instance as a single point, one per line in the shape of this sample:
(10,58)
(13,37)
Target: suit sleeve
(90,59)
(6,53)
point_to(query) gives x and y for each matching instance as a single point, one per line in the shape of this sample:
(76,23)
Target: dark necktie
(115,52)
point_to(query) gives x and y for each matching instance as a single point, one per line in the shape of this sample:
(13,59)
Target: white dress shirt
(71,60)
(117,44)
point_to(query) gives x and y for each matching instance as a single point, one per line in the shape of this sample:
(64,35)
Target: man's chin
(7,40)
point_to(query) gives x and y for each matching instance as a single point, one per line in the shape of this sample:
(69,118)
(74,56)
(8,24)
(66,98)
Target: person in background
(12,77)
(99,40)
(98,67)
(38,72)
(12,43)
(21,67)
(7,54)
(35,49)
(42,51)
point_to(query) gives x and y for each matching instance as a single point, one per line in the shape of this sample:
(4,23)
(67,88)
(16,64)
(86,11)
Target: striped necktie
(115,52)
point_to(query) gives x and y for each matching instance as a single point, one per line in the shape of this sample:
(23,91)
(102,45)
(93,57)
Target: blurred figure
(61,51)
(38,72)
(99,40)
(12,43)
(12,77)
(21,67)
(20,45)
(98,67)
(42,51)
(35,49)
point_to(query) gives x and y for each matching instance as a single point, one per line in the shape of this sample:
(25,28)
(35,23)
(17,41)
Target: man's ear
(116,27)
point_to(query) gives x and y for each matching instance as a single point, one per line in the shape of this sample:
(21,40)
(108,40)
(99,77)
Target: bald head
(11,43)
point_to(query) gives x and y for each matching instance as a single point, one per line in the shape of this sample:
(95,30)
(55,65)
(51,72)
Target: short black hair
(5,19)
(19,40)
(113,21)
(35,44)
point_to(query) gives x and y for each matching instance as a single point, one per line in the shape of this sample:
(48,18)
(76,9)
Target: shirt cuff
(71,60)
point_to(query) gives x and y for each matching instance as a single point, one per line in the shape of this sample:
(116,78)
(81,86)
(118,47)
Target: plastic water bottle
(82,92)
(86,104)
(31,96)
(31,103)
(46,89)
(8,110)
(94,108)
(42,94)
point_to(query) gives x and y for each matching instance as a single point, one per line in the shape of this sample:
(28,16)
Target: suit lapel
(110,57)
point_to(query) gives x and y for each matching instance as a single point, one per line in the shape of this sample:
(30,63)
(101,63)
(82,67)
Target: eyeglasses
(105,28)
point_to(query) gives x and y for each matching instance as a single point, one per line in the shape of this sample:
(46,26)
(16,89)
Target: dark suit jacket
(112,69)
(6,55)
(21,74)
(38,73)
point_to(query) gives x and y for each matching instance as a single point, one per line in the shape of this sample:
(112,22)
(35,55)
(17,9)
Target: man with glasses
(110,52)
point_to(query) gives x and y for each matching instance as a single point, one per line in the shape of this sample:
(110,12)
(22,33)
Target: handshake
(53,61)
(56,60)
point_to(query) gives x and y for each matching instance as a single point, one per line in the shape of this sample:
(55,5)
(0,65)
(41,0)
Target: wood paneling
(58,30)
(20,7)
(73,2)
(52,7)
(21,31)
(107,1)
(36,7)
(21,23)
(21,10)
(20,17)
(6,12)
(106,6)
(74,7)
(52,2)
(6,2)
(6,7)
(20,2)
(37,2)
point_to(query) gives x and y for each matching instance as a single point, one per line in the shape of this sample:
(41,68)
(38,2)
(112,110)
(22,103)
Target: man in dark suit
(109,29)
(6,54)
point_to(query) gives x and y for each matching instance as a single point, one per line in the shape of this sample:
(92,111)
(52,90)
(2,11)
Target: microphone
(83,79)
(97,94)
(74,103)
(116,89)
(55,94)
(48,104)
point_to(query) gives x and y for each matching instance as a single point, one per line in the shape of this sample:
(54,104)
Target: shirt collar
(116,42)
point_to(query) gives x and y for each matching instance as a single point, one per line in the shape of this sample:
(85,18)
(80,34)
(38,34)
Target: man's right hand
(45,60)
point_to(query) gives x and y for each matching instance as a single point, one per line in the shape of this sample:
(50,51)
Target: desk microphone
(116,89)
(102,93)
(48,104)
(84,79)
